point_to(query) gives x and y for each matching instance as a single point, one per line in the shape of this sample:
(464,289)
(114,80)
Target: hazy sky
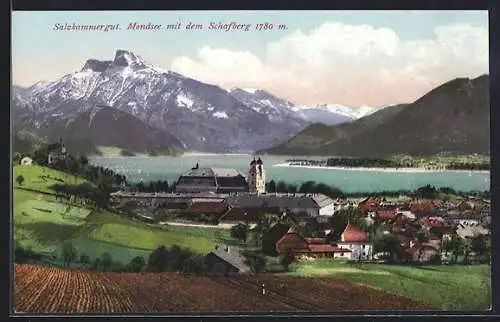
(347,57)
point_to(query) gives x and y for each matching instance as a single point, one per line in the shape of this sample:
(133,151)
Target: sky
(353,58)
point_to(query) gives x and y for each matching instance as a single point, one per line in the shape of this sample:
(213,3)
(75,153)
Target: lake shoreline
(370,169)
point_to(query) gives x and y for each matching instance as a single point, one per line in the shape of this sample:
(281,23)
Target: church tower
(257,177)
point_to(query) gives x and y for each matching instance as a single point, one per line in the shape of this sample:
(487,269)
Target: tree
(84,259)
(265,222)
(287,259)
(256,260)
(271,186)
(97,264)
(387,243)
(69,253)
(307,187)
(465,249)
(137,264)
(158,259)
(422,237)
(106,261)
(479,245)
(281,187)
(240,232)
(341,218)
(20,180)
(454,246)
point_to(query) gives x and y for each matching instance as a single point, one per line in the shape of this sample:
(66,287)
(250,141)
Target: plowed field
(39,289)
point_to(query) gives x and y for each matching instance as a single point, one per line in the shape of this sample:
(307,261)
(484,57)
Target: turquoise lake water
(147,168)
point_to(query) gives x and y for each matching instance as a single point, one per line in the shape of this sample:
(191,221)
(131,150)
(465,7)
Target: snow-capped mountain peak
(203,116)
(353,113)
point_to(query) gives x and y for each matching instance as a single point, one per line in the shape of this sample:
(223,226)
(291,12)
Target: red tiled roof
(421,207)
(369,204)
(207,207)
(385,214)
(436,202)
(432,222)
(316,241)
(353,234)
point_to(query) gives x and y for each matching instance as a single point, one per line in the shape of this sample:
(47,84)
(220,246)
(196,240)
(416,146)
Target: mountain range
(168,110)
(453,117)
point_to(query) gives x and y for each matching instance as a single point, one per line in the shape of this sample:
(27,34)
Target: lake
(148,168)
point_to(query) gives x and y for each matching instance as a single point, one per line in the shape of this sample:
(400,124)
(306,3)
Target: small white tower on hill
(257,177)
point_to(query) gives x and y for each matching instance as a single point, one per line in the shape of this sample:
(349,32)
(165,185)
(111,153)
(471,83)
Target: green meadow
(456,287)
(43,224)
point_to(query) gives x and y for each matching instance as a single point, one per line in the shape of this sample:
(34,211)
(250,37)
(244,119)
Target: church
(223,180)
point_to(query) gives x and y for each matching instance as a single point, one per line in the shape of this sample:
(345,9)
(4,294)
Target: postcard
(195,162)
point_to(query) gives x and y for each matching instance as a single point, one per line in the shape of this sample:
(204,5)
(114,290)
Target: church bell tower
(257,177)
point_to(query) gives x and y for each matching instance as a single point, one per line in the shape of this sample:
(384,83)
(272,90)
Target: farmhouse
(357,241)
(308,248)
(27,161)
(225,260)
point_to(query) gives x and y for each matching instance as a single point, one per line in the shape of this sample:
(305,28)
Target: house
(341,203)
(422,252)
(225,261)
(473,204)
(421,207)
(26,161)
(298,204)
(467,217)
(404,226)
(216,208)
(471,230)
(355,240)
(384,215)
(429,222)
(56,152)
(308,248)
(443,232)
(370,204)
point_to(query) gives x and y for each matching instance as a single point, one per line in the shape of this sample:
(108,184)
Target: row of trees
(362,162)
(85,194)
(162,259)
(456,247)
(468,166)
(405,162)
(152,186)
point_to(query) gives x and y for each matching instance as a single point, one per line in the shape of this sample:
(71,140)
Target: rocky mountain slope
(204,117)
(109,126)
(452,117)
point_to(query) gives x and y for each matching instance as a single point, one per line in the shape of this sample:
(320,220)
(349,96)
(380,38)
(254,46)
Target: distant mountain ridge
(201,116)
(452,117)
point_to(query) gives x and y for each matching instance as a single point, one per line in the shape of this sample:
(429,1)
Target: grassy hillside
(447,287)
(453,117)
(43,223)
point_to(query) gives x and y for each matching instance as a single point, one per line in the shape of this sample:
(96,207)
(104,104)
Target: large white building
(217,180)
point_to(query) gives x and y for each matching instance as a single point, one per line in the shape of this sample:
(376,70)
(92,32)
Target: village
(374,229)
